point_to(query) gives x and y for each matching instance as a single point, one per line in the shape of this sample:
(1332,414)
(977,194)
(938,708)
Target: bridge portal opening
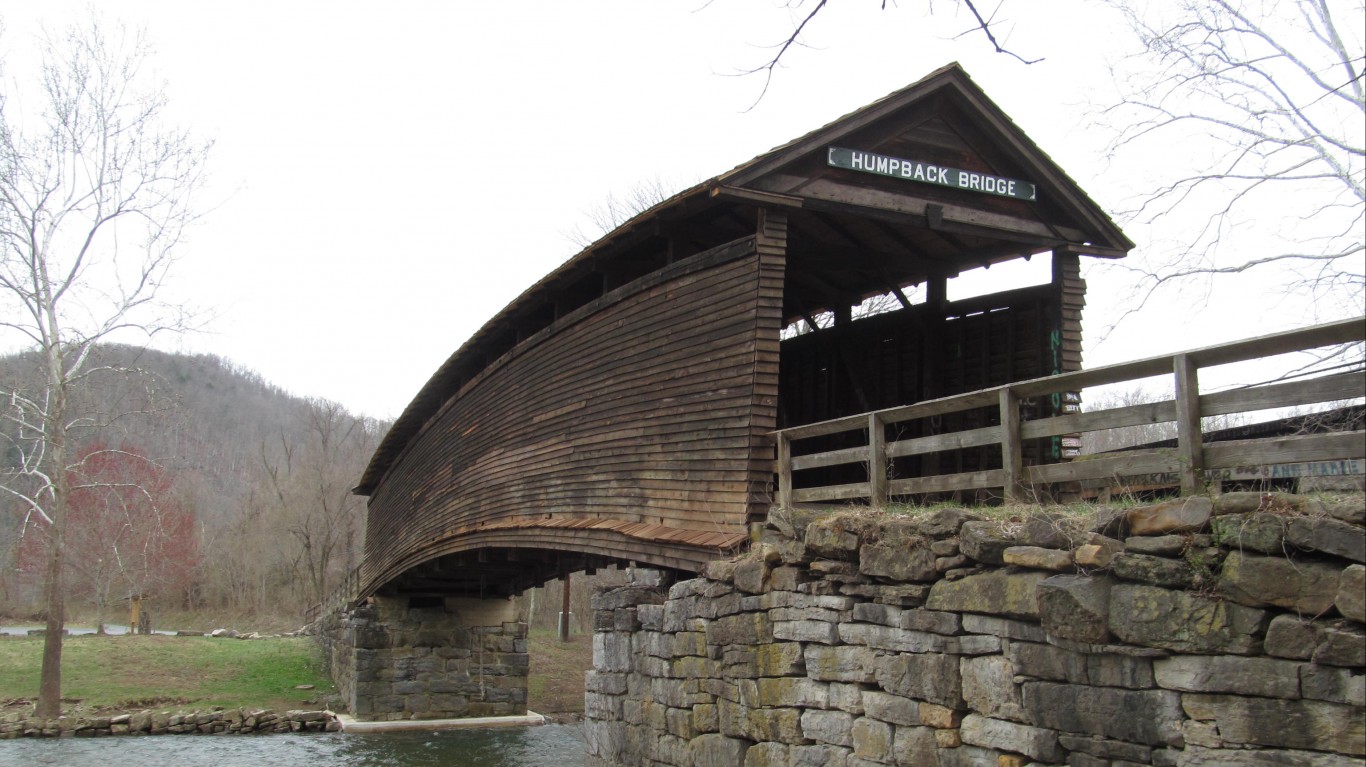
(912,342)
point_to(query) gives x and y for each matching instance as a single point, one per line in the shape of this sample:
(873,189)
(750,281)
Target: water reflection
(551,744)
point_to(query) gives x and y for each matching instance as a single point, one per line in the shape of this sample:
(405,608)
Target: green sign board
(914,170)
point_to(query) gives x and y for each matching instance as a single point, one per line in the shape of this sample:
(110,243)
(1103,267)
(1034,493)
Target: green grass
(555,684)
(164,672)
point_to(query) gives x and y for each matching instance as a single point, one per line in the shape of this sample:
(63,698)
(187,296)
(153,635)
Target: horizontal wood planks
(647,411)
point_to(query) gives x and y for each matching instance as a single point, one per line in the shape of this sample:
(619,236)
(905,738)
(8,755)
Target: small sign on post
(139,619)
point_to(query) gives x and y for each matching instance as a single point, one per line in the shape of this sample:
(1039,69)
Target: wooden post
(1011,456)
(931,363)
(564,611)
(1189,438)
(877,461)
(784,471)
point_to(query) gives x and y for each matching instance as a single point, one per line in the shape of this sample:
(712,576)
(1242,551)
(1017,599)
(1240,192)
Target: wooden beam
(1343,386)
(1296,448)
(944,483)
(784,498)
(757,197)
(1119,465)
(1132,415)
(1087,249)
(877,461)
(938,443)
(830,493)
(841,457)
(1012,457)
(912,211)
(1189,449)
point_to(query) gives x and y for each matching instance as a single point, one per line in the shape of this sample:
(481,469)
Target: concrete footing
(531,718)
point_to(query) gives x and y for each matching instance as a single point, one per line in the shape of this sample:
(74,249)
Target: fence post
(784,471)
(877,461)
(1011,458)
(1189,437)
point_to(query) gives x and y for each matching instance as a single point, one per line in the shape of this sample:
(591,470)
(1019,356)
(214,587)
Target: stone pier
(445,658)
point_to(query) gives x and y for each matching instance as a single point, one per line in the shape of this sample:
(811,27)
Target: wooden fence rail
(1189,460)
(344,592)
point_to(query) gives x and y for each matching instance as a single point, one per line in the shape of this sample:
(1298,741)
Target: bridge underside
(441,637)
(502,561)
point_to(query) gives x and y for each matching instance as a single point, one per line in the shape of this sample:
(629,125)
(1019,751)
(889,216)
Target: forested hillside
(202,486)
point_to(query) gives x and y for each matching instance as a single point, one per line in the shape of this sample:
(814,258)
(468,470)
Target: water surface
(550,745)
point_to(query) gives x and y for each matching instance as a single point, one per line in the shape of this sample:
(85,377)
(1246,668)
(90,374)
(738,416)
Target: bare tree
(1263,105)
(311,481)
(804,13)
(616,209)
(94,197)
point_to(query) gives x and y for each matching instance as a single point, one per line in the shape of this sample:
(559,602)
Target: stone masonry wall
(1202,632)
(465,658)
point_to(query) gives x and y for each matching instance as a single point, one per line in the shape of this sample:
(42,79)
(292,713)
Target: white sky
(387,176)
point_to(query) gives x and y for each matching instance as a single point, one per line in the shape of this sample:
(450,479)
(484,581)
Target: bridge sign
(914,170)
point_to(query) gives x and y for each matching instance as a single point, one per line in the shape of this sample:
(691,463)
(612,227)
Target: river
(109,628)
(550,745)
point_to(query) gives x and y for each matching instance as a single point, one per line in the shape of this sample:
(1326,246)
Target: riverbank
(113,675)
(121,683)
(235,721)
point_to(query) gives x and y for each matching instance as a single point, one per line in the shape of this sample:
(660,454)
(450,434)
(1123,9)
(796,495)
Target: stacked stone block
(463,658)
(231,721)
(1195,633)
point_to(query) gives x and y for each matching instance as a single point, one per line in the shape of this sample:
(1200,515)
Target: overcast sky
(387,176)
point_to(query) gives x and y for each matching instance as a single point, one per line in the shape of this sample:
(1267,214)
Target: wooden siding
(645,407)
(771,247)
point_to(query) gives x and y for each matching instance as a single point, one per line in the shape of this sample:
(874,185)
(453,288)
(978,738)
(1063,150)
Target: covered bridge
(621,407)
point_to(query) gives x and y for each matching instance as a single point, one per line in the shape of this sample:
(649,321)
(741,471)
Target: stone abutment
(457,658)
(1198,633)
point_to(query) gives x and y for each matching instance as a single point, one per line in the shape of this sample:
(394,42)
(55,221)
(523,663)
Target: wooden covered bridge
(652,398)
(622,408)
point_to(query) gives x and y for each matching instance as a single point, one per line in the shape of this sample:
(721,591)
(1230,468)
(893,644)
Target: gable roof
(950,86)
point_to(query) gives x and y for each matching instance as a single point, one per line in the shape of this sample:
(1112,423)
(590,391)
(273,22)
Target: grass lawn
(555,685)
(101,674)
(104,673)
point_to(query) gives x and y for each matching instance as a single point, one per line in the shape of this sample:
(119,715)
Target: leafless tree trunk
(311,483)
(94,197)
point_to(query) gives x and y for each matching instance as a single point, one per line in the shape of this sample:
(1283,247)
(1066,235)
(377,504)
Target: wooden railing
(1190,459)
(344,593)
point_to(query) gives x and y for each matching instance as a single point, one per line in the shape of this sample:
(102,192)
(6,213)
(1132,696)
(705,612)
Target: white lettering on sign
(914,170)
